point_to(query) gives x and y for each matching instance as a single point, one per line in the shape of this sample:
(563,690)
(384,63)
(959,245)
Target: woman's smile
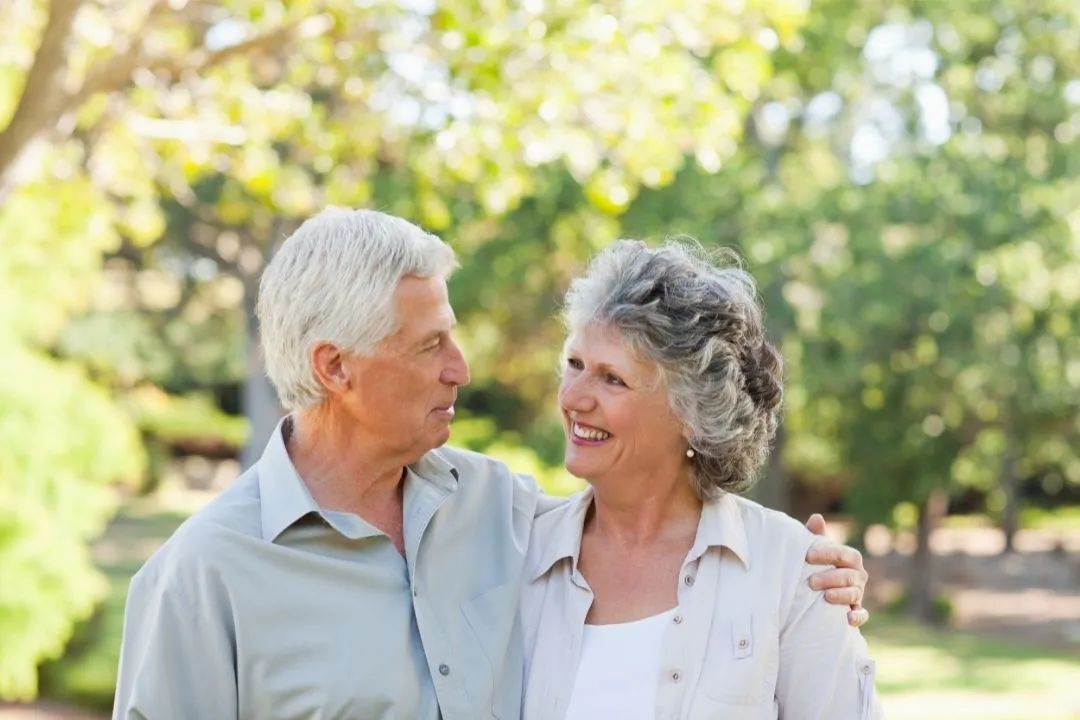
(581,434)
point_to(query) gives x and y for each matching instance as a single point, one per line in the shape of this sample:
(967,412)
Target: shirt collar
(284,498)
(565,539)
(721,525)
(436,469)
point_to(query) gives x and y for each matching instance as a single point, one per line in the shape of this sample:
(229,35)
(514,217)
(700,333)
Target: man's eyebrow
(432,334)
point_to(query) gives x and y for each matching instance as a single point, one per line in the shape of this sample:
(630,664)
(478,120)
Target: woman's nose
(575,395)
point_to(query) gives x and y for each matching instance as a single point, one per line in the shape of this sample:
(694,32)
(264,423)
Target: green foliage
(55,234)
(185,419)
(62,443)
(1059,519)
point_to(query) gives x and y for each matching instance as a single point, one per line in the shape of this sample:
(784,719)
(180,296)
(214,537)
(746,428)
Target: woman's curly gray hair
(695,315)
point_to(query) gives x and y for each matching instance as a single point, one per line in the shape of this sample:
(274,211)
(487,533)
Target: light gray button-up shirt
(263,606)
(749,639)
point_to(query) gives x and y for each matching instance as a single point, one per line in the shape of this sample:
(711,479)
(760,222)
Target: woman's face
(615,412)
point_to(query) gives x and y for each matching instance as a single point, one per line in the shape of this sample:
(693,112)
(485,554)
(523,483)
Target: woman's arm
(825,669)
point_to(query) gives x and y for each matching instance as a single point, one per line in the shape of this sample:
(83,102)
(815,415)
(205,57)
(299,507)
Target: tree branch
(43,93)
(44,101)
(116,73)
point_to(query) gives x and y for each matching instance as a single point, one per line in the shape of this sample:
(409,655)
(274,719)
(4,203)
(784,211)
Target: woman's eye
(574,363)
(614,380)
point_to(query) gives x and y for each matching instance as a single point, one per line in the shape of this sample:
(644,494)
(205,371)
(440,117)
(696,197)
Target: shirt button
(675,676)
(444,669)
(689,579)
(866,669)
(743,642)
(677,619)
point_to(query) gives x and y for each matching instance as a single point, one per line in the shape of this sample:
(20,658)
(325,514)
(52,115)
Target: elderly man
(359,569)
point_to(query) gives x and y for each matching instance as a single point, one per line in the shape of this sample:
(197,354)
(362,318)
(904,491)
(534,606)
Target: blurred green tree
(62,440)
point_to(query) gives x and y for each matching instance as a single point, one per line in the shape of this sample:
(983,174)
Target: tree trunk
(774,488)
(921,585)
(1010,486)
(42,96)
(260,401)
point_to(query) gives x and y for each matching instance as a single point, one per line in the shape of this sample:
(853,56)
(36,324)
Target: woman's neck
(661,511)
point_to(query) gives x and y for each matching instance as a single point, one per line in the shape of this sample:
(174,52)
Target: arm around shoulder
(174,661)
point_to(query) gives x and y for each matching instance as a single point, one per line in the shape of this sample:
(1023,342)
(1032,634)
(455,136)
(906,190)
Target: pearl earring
(690,452)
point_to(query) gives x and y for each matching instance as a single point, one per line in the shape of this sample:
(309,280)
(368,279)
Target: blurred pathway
(1031,596)
(45,711)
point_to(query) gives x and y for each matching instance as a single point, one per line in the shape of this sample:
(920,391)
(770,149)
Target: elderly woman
(659,592)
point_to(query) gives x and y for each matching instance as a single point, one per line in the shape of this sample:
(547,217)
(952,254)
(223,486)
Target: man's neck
(347,472)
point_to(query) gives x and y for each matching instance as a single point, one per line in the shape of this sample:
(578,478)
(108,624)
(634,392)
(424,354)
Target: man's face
(404,393)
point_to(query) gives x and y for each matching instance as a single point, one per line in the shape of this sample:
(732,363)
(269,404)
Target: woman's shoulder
(760,518)
(556,534)
(770,533)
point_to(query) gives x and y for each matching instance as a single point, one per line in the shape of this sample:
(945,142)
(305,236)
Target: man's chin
(441,437)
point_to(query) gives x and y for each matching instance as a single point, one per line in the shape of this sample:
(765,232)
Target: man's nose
(456,371)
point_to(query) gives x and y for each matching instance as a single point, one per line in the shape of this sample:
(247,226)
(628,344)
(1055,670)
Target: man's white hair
(333,280)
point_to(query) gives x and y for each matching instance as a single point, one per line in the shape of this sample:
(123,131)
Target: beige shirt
(263,606)
(749,639)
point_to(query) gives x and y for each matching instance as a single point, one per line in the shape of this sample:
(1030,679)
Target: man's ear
(328,364)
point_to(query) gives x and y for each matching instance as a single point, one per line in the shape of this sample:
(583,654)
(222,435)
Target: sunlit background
(902,178)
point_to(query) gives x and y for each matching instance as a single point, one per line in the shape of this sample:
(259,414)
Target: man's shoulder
(208,535)
(463,459)
(472,467)
(487,482)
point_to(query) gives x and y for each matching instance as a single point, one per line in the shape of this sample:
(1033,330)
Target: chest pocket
(741,661)
(494,648)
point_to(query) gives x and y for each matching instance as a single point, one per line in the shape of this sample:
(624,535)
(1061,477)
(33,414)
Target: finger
(816,524)
(836,578)
(844,596)
(833,554)
(858,617)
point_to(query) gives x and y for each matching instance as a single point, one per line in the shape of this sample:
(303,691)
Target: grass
(1065,518)
(942,675)
(922,673)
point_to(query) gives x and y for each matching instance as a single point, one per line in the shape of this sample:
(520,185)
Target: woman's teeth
(588,433)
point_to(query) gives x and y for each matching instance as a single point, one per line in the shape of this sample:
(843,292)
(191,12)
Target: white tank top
(619,670)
